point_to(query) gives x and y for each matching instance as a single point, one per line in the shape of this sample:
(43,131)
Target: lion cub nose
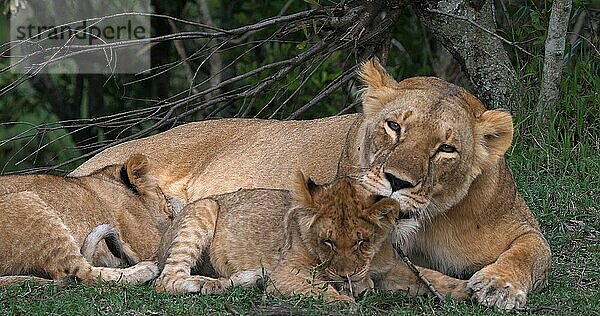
(396,183)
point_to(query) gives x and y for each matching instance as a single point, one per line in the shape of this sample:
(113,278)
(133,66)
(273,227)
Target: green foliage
(26,124)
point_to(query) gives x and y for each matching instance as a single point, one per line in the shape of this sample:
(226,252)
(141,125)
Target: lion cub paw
(141,272)
(190,284)
(341,299)
(495,291)
(357,287)
(214,286)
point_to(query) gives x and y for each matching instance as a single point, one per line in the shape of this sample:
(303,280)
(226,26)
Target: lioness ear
(379,88)
(384,212)
(136,173)
(303,190)
(494,133)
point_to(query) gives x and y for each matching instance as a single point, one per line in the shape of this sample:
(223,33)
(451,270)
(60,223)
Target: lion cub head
(137,176)
(435,139)
(341,224)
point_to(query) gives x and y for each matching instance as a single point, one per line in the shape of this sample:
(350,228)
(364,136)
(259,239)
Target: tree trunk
(553,61)
(464,27)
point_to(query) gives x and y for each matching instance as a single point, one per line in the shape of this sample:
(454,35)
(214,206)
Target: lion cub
(309,241)
(46,218)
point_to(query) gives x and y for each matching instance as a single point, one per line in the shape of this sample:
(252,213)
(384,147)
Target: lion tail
(113,241)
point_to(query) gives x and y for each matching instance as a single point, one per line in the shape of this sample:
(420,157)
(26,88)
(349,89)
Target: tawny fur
(313,241)
(46,218)
(474,222)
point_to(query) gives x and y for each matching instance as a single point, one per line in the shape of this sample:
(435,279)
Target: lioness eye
(447,148)
(393,126)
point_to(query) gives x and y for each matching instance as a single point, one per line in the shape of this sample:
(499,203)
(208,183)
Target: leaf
(305,31)
(313,2)
(302,44)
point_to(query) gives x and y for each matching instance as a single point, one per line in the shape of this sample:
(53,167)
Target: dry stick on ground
(420,276)
(283,310)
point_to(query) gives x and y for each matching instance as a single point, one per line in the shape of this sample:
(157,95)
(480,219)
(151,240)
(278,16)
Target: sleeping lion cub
(45,219)
(312,241)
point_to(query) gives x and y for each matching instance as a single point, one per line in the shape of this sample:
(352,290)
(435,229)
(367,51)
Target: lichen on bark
(481,55)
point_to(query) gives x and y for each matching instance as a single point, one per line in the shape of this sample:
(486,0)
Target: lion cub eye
(363,244)
(393,126)
(446,149)
(328,242)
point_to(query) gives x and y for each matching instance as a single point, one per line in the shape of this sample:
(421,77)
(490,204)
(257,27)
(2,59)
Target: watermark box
(62,36)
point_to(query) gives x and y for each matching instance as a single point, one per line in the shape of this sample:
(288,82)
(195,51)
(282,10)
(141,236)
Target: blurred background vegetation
(49,119)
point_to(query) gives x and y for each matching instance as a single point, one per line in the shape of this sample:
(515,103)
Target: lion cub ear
(303,189)
(136,173)
(380,88)
(384,212)
(493,134)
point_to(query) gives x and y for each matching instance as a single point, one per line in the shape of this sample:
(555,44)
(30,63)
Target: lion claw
(495,291)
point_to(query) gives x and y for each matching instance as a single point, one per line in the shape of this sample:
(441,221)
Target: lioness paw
(495,291)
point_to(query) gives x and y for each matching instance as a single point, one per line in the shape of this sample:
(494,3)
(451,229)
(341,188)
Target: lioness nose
(396,183)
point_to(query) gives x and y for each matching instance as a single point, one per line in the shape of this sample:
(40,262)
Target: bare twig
(183,56)
(334,85)
(216,63)
(346,29)
(420,276)
(538,309)
(282,310)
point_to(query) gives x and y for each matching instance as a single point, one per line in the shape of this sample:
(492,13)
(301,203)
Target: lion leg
(182,247)
(400,277)
(208,285)
(16,279)
(523,267)
(395,275)
(139,273)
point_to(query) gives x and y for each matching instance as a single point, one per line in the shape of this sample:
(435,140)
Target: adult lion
(444,163)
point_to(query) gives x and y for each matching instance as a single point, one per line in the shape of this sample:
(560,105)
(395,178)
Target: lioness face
(434,139)
(343,225)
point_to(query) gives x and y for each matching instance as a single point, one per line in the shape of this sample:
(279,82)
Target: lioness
(306,241)
(446,166)
(45,219)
